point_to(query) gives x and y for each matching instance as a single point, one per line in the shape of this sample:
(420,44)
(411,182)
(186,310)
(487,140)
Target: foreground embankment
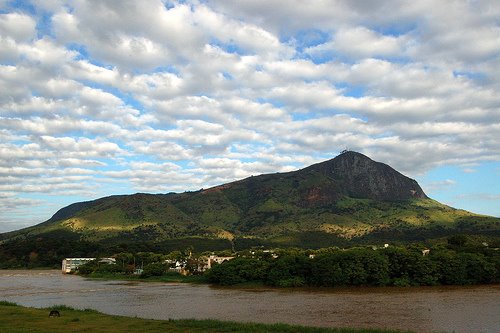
(17,319)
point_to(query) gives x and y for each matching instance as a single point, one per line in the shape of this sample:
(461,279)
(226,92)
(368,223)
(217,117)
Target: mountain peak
(358,176)
(316,206)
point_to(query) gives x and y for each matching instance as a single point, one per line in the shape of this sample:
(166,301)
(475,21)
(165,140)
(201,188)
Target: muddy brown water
(424,309)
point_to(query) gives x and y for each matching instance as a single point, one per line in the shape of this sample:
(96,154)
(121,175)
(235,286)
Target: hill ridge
(347,198)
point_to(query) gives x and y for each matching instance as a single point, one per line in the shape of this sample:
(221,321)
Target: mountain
(348,199)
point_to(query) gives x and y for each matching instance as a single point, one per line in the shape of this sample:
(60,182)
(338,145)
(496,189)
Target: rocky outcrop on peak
(358,176)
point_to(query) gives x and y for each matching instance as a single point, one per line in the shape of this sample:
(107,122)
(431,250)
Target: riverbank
(18,319)
(260,286)
(169,277)
(174,277)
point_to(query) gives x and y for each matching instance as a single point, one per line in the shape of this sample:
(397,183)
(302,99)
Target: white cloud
(162,150)
(81,146)
(18,26)
(9,202)
(251,38)
(154,97)
(360,42)
(439,185)
(288,16)
(164,177)
(45,53)
(480,197)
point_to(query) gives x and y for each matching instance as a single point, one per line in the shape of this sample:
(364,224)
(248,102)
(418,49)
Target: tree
(289,271)
(154,269)
(327,271)
(87,268)
(457,240)
(238,270)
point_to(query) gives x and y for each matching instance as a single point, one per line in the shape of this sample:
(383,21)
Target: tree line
(392,266)
(459,260)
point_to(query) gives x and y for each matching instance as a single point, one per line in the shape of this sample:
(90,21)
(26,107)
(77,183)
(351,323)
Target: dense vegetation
(48,250)
(461,260)
(45,251)
(455,264)
(17,319)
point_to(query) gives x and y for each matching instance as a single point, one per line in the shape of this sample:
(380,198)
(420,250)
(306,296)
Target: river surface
(424,309)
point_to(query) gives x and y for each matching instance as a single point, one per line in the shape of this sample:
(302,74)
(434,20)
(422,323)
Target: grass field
(17,319)
(177,278)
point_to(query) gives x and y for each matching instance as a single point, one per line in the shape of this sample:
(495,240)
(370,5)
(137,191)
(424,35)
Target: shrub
(296,281)
(154,269)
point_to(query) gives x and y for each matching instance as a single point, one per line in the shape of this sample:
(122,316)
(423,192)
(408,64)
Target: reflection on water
(450,309)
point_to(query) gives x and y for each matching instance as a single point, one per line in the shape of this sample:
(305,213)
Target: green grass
(17,319)
(164,278)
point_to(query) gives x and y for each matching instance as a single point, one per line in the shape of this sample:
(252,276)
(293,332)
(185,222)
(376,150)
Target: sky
(116,97)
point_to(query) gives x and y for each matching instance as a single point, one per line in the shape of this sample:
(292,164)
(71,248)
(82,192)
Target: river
(423,309)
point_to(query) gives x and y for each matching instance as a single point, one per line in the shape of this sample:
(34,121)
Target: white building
(71,264)
(176,265)
(216,260)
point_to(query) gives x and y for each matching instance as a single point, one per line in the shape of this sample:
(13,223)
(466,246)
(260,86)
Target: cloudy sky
(114,97)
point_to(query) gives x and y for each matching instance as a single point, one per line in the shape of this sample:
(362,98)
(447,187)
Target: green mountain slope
(347,199)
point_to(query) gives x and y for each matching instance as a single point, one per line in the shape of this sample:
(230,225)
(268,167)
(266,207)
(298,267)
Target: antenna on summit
(344,151)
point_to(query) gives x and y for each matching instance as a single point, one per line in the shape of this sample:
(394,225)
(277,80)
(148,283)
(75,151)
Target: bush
(109,268)
(7,303)
(87,268)
(352,267)
(154,269)
(296,281)
(289,269)
(238,270)
(401,282)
